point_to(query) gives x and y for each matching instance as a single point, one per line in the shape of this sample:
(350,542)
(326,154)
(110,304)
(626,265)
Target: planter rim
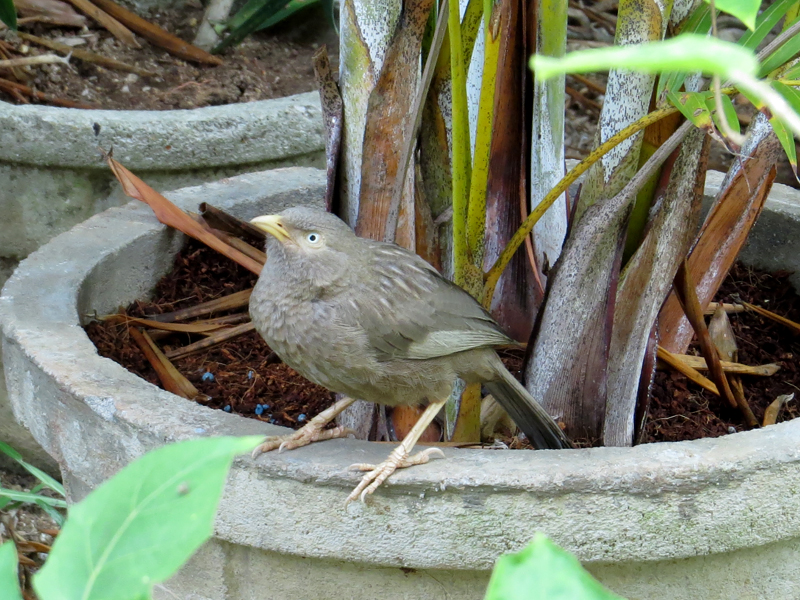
(213,136)
(649,502)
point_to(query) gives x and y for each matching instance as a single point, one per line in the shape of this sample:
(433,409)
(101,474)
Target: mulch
(244,377)
(268,64)
(680,410)
(238,375)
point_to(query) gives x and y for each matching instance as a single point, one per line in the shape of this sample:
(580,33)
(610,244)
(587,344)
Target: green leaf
(699,22)
(694,106)
(792,96)
(38,473)
(782,55)
(793,72)
(765,22)
(543,571)
(9,583)
(8,14)
(293,7)
(730,113)
(139,527)
(688,52)
(744,10)
(261,11)
(29,497)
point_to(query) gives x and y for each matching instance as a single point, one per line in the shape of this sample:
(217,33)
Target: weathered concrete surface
(52,175)
(716,518)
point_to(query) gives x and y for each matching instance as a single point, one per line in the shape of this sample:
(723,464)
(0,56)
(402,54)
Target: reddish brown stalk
(516,299)
(388,121)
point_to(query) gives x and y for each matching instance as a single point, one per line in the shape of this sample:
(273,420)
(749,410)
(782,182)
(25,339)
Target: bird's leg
(313,431)
(399,458)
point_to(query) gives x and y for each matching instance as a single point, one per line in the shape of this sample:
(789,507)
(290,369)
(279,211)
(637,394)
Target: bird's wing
(412,312)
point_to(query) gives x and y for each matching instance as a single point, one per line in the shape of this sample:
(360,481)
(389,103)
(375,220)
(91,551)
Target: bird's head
(312,240)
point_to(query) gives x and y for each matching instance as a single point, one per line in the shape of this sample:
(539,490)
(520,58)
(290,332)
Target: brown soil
(683,411)
(241,374)
(268,64)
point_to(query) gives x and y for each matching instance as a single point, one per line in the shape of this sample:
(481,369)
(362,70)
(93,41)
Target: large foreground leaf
(139,527)
(543,571)
(9,584)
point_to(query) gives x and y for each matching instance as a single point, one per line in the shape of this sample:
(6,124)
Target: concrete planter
(53,177)
(708,519)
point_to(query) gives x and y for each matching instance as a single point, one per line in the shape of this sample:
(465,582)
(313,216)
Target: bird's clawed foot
(398,459)
(312,432)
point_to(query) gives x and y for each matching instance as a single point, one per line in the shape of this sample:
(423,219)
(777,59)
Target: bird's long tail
(527,413)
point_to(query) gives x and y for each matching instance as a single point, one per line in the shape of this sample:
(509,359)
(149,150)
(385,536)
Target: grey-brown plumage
(375,322)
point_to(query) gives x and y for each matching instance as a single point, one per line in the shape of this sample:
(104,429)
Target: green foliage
(9,586)
(687,52)
(744,10)
(139,527)
(543,571)
(765,22)
(10,499)
(8,14)
(256,15)
(692,52)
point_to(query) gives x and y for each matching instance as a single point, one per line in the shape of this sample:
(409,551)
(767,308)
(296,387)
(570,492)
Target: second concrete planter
(713,519)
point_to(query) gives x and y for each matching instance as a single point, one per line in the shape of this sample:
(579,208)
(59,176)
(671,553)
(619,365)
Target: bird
(373,321)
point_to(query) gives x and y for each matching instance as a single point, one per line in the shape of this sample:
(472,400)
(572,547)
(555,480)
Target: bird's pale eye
(313,238)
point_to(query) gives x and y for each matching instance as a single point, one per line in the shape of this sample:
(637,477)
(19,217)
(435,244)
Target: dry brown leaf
(676,362)
(52,11)
(775,408)
(176,327)
(795,327)
(117,29)
(155,35)
(85,55)
(172,380)
(230,302)
(171,215)
(725,230)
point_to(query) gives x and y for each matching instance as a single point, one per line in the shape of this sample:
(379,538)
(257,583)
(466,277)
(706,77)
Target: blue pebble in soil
(250,374)
(259,409)
(301,417)
(207,376)
(227,408)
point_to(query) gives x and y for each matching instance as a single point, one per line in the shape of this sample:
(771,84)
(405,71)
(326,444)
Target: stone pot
(712,519)
(52,175)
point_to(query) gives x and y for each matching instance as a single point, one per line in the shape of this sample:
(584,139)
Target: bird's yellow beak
(272,225)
